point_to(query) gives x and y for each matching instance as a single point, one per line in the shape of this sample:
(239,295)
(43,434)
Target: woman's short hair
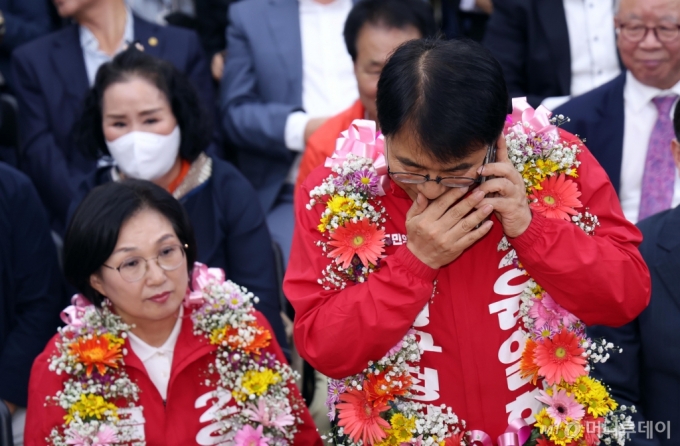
(93,232)
(194,122)
(389,14)
(450,95)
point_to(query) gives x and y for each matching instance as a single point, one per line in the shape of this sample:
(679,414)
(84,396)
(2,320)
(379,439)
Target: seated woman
(157,357)
(145,114)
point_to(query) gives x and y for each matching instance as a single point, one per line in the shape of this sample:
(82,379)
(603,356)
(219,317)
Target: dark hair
(676,121)
(399,14)
(93,232)
(194,122)
(450,95)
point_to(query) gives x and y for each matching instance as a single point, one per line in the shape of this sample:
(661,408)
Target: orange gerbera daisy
(527,365)
(560,358)
(262,340)
(381,391)
(97,352)
(362,239)
(557,198)
(361,419)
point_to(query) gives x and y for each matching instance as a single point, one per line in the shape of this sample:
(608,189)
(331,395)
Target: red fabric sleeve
(601,279)
(42,417)
(307,433)
(330,322)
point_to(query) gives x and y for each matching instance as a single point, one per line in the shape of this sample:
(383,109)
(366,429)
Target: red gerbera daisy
(362,239)
(527,365)
(557,198)
(560,358)
(593,429)
(360,418)
(542,441)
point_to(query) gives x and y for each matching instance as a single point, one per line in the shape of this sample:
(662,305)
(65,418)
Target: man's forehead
(640,9)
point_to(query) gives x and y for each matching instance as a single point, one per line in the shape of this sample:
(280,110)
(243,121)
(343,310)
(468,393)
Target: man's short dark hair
(93,232)
(390,14)
(450,95)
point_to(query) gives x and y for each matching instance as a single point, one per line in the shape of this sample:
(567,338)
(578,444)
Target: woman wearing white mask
(143,113)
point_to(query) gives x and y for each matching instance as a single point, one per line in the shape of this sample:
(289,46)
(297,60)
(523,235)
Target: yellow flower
(257,383)
(594,396)
(89,407)
(218,335)
(114,339)
(402,427)
(338,204)
(565,433)
(543,421)
(324,222)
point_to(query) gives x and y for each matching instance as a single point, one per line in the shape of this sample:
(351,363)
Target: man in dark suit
(31,291)
(553,49)
(286,72)
(647,372)
(626,122)
(54,73)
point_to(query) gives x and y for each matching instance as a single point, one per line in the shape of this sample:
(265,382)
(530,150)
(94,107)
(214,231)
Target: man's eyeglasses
(637,32)
(416,178)
(169,258)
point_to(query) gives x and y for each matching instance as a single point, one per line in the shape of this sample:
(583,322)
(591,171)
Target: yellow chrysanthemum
(543,421)
(339,204)
(324,222)
(115,340)
(218,334)
(90,407)
(402,427)
(257,383)
(565,433)
(594,396)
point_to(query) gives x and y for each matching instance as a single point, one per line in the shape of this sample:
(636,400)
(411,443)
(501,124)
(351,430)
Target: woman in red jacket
(447,242)
(157,359)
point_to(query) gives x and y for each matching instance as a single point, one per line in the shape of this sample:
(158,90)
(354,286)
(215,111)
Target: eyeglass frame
(621,26)
(146,263)
(490,157)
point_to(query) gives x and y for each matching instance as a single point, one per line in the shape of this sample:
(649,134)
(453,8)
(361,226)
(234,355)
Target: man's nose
(431,189)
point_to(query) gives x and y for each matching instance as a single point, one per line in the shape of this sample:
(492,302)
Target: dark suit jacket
(598,118)
(31,292)
(51,86)
(25,20)
(647,372)
(530,39)
(262,85)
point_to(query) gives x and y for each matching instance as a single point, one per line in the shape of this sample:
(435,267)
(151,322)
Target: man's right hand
(440,231)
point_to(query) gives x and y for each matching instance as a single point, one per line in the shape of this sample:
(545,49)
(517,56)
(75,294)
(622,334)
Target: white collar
(145,351)
(638,95)
(90,43)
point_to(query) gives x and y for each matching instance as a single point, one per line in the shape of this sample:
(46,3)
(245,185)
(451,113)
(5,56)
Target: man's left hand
(506,192)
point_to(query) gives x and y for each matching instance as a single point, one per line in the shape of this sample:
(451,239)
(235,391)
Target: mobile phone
(489,158)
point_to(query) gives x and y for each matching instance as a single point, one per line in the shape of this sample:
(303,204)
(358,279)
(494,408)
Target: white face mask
(144,155)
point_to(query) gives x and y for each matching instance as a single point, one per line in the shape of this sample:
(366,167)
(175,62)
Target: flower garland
(100,399)
(373,407)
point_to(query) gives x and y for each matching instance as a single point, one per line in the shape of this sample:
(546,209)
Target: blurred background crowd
(229,105)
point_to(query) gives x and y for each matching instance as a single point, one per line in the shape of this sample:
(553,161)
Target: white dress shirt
(158,360)
(592,46)
(94,57)
(328,82)
(640,116)
(155,10)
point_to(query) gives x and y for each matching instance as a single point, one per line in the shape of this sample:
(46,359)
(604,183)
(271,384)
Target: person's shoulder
(326,135)
(249,7)
(224,172)
(651,226)
(585,104)
(315,178)
(168,32)
(13,182)
(37,48)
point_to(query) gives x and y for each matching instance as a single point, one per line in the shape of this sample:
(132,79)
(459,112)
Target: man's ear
(97,283)
(675,148)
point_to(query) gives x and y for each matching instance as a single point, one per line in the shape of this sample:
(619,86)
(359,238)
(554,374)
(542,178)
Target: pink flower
(547,312)
(269,416)
(361,239)
(248,436)
(562,407)
(557,198)
(106,436)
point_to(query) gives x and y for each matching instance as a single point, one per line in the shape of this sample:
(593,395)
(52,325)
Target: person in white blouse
(628,122)
(553,50)
(287,71)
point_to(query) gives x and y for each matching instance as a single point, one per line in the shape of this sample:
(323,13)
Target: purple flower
(335,388)
(365,180)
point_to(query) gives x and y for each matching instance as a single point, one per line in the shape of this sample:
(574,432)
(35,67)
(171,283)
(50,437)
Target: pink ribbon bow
(73,314)
(361,139)
(525,119)
(200,278)
(516,434)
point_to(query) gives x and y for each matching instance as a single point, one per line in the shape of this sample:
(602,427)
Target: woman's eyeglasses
(169,258)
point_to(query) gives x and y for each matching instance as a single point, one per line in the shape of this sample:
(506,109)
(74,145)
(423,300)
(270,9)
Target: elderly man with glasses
(627,122)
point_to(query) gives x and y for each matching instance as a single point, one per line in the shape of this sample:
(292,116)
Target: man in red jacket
(440,106)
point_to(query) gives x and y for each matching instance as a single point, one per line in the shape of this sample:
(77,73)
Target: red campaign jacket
(188,399)
(469,329)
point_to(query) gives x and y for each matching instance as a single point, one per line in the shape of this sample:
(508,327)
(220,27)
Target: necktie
(658,179)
